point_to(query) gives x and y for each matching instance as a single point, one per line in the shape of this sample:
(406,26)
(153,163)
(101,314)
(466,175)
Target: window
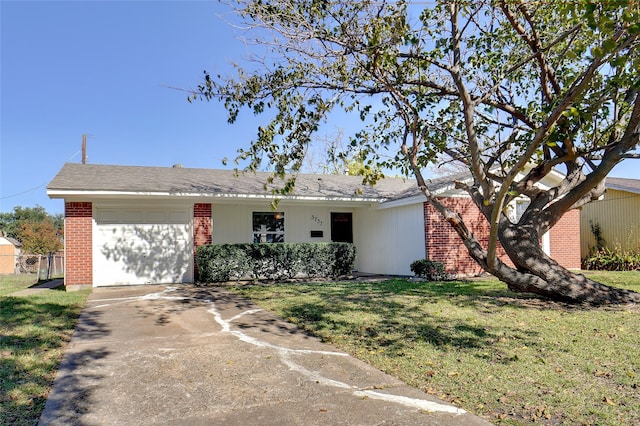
(268,227)
(517,209)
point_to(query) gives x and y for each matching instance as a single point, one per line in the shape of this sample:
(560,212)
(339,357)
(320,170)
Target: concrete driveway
(189,355)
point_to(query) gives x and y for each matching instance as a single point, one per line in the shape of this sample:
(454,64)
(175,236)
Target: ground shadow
(72,393)
(90,327)
(231,304)
(396,325)
(31,328)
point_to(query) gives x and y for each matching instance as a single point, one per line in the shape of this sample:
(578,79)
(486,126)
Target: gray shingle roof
(623,184)
(91,178)
(13,241)
(134,179)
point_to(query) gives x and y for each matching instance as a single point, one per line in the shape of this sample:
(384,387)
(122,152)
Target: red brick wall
(444,245)
(564,240)
(202,229)
(78,245)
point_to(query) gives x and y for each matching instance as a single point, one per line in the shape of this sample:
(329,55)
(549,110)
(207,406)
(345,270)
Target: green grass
(511,359)
(13,283)
(33,333)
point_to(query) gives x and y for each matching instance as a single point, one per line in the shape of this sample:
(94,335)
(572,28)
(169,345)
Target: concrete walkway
(184,355)
(40,288)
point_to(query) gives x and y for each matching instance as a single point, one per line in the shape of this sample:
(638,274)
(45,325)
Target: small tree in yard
(40,237)
(11,223)
(511,90)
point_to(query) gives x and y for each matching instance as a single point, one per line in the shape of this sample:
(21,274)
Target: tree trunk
(534,272)
(537,273)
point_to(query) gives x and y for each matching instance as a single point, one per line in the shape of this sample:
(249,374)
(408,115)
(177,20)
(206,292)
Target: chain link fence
(42,267)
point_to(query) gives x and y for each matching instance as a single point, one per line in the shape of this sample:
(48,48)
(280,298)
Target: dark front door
(342,227)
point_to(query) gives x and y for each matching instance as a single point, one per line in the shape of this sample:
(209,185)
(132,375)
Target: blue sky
(103,68)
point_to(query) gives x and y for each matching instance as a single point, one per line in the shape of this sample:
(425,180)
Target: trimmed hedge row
(225,262)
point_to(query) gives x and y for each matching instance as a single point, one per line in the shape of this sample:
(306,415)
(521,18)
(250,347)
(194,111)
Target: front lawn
(12,283)
(511,359)
(33,333)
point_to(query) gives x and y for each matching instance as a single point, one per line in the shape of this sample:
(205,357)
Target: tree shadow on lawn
(398,324)
(397,314)
(399,327)
(490,295)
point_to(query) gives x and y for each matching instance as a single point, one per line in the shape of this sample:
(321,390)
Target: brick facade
(202,229)
(78,241)
(564,240)
(444,245)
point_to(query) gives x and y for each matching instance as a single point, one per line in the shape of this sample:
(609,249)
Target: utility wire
(23,192)
(35,187)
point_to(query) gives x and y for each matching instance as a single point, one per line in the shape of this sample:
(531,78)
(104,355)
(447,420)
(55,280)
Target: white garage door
(142,246)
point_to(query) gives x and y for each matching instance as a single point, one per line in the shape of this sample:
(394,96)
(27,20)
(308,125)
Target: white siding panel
(397,241)
(233,223)
(304,219)
(618,216)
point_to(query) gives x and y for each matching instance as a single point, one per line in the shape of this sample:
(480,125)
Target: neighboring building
(617,214)
(9,252)
(135,225)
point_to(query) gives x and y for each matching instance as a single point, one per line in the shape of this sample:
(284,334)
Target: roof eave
(77,194)
(445,191)
(622,188)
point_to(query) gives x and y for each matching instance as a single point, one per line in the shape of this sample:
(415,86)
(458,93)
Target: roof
(92,179)
(13,241)
(623,184)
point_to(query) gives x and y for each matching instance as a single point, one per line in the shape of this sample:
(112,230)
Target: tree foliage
(38,231)
(333,158)
(511,90)
(40,237)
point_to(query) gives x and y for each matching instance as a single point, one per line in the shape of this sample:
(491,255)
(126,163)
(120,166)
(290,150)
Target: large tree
(511,90)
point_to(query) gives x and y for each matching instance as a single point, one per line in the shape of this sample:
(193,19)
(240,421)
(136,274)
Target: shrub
(273,261)
(429,269)
(344,256)
(224,262)
(315,260)
(596,230)
(613,260)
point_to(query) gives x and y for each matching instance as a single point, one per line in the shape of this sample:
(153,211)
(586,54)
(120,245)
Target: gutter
(56,193)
